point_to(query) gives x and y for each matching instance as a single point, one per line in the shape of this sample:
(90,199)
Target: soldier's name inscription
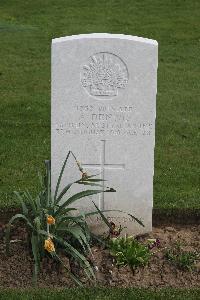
(105,120)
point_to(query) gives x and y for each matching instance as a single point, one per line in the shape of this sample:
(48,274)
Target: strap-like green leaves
(36,255)
(90,183)
(14,218)
(102,216)
(76,197)
(63,192)
(23,204)
(48,171)
(77,255)
(137,220)
(68,271)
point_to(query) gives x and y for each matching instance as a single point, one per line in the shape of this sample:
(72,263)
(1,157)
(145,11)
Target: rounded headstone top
(105,36)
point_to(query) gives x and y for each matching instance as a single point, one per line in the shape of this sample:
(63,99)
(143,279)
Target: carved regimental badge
(104,75)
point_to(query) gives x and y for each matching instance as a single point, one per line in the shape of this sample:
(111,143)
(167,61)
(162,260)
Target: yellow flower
(49,245)
(50,220)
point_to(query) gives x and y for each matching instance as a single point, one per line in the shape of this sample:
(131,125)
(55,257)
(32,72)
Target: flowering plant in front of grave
(54,225)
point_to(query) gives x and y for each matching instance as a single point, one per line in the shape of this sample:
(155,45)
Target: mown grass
(101,294)
(26,30)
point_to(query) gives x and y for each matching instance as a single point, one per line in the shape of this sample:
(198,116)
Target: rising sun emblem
(104,75)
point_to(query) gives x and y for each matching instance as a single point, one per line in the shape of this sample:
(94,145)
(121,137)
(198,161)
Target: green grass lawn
(101,294)
(26,30)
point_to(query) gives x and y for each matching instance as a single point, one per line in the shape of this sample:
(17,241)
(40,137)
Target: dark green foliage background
(26,30)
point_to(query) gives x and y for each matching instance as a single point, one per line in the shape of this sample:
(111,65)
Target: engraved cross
(102,166)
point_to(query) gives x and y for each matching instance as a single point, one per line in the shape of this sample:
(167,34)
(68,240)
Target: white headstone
(103,109)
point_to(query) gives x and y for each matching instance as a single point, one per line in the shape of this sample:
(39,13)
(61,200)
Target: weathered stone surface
(103,109)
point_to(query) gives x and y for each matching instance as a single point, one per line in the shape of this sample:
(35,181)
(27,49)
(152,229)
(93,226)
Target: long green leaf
(68,271)
(76,254)
(78,233)
(38,204)
(18,195)
(48,174)
(31,201)
(75,221)
(63,192)
(37,223)
(60,176)
(14,218)
(89,183)
(36,255)
(94,175)
(114,210)
(69,218)
(66,210)
(103,217)
(94,180)
(137,220)
(42,197)
(20,216)
(84,182)
(103,211)
(23,204)
(76,197)
(99,239)
(40,177)
(43,232)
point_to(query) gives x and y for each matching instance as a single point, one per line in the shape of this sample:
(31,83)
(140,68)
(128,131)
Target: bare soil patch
(16,270)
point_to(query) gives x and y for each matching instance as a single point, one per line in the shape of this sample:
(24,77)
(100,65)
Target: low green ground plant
(128,251)
(182,259)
